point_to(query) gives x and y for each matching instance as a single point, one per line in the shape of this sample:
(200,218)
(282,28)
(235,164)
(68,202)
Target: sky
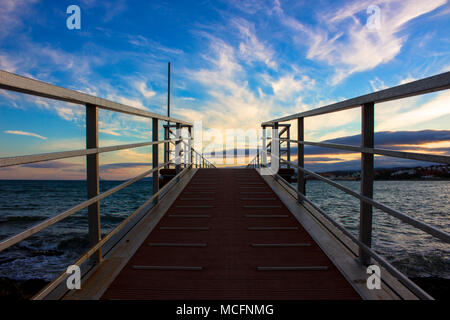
(235,64)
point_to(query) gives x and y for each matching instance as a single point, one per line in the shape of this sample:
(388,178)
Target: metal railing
(12,82)
(367,150)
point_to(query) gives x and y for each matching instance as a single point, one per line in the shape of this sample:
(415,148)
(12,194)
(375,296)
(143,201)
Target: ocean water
(412,251)
(48,253)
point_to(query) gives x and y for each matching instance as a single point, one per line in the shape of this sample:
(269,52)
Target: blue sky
(235,64)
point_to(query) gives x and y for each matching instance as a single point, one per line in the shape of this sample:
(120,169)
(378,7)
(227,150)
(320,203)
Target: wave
(22,218)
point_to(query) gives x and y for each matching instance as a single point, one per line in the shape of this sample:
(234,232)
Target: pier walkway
(229,236)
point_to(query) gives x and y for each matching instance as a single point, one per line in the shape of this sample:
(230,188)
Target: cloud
(436,141)
(437,107)
(231,103)
(288,85)
(24,133)
(110,132)
(354,165)
(419,141)
(113,166)
(70,112)
(132,102)
(251,49)
(7,64)
(343,40)
(12,13)
(50,165)
(378,84)
(111,8)
(146,92)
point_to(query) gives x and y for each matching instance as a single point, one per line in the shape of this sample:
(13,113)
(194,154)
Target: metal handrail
(12,82)
(4,244)
(367,104)
(211,165)
(383,262)
(384,152)
(442,235)
(58,280)
(14,161)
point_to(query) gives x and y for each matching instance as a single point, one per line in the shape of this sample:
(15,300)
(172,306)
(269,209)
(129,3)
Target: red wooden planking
(229,261)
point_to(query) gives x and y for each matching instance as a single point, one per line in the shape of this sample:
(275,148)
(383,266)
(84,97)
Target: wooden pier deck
(229,236)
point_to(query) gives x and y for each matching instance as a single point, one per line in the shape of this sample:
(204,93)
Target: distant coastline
(430,173)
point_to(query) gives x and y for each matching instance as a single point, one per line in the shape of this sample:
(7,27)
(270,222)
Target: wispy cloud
(24,133)
(435,108)
(146,92)
(50,165)
(12,13)
(112,8)
(343,40)
(289,85)
(251,49)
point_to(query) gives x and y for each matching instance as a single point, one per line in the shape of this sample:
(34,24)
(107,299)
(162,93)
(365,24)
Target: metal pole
(93,180)
(178,149)
(301,181)
(168,93)
(367,141)
(155,158)
(167,130)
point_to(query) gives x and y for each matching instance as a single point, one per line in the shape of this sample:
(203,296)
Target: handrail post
(185,155)
(155,158)
(191,151)
(264,146)
(276,136)
(288,146)
(367,174)
(93,179)
(166,145)
(301,181)
(178,149)
(257,157)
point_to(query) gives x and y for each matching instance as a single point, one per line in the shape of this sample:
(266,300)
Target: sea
(48,253)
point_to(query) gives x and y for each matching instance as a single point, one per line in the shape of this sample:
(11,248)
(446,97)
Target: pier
(229,233)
